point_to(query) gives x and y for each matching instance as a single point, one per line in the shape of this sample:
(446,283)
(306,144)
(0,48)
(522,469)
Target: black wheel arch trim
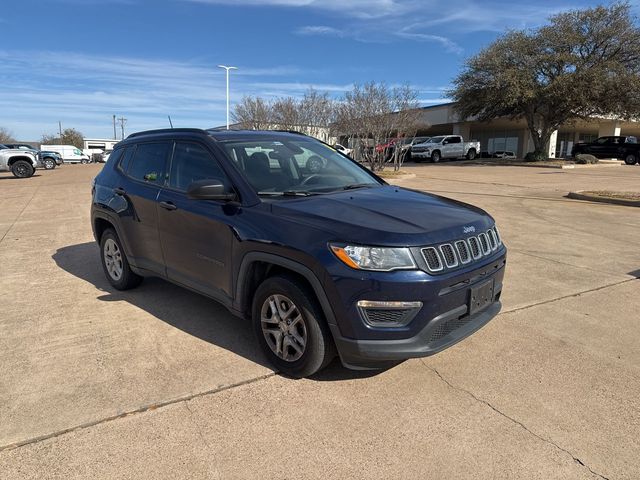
(287,263)
(101,215)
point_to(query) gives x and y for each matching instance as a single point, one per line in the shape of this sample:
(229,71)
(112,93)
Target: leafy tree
(70,136)
(584,63)
(6,136)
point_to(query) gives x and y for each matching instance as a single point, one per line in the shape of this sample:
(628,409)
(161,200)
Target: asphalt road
(159,382)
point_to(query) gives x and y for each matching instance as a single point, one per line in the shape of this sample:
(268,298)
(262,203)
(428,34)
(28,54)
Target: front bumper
(421,154)
(372,354)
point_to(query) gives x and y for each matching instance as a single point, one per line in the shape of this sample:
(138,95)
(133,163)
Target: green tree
(584,63)
(70,136)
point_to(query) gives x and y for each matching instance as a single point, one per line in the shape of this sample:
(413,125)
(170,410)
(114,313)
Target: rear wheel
(471,154)
(22,169)
(291,328)
(115,264)
(630,159)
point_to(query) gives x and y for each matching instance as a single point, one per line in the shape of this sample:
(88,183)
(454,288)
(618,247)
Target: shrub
(536,156)
(585,158)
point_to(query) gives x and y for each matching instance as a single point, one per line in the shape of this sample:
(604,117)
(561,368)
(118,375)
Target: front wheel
(22,169)
(115,264)
(291,328)
(630,159)
(435,156)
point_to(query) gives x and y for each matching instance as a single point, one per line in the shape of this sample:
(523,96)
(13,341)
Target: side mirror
(210,189)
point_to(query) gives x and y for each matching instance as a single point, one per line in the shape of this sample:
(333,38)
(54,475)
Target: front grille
(463,251)
(447,256)
(432,258)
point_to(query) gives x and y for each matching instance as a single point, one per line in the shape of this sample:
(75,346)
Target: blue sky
(80,61)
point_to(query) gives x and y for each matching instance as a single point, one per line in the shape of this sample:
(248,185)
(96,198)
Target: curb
(405,176)
(594,198)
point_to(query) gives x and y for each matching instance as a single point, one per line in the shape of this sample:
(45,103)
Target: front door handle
(168,205)
(119,191)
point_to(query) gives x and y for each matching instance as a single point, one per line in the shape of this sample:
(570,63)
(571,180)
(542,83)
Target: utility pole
(115,136)
(227,69)
(60,129)
(122,121)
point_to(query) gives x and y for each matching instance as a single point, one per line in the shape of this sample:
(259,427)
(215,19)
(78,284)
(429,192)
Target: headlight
(374,258)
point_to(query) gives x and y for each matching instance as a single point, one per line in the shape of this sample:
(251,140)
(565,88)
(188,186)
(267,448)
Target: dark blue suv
(322,255)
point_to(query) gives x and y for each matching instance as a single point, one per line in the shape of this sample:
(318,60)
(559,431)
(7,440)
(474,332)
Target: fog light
(388,314)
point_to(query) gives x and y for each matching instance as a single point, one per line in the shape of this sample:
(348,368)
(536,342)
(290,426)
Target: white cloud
(320,30)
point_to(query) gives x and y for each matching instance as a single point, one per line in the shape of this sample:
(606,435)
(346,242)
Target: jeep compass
(319,253)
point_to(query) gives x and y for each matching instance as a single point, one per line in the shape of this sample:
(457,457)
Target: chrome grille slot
(493,241)
(495,230)
(474,245)
(484,243)
(432,258)
(463,251)
(449,255)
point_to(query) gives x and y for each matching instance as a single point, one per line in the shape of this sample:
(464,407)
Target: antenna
(170,122)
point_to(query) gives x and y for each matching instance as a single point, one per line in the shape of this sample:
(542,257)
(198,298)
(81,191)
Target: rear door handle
(168,205)
(119,191)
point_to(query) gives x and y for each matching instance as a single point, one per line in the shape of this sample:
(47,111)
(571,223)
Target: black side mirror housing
(210,189)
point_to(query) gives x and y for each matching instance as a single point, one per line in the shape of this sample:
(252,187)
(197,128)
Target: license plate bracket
(480,297)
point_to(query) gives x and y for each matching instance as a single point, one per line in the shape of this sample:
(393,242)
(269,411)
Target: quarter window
(192,162)
(148,162)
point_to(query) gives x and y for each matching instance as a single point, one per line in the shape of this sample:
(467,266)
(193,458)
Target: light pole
(227,69)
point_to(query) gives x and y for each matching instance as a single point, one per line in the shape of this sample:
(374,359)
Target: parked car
(445,146)
(624,148)
(69,153)
(342,149)
(21,163)
(503,154)
(46,160)
(407,146)
(326,262)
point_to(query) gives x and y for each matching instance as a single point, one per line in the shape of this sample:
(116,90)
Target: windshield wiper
(357,185)
(289,193)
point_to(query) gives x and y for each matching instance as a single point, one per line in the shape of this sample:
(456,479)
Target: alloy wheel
(283,327)
(113,259)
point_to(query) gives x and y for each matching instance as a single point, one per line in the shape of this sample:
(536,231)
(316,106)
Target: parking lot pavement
(160,382)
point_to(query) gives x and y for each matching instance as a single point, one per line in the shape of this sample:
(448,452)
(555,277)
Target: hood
(385,215)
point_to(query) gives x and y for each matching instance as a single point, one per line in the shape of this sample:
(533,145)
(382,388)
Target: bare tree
(287,113)
(317,112)
(373,114)
(6,136)
(70,136)
(253,113)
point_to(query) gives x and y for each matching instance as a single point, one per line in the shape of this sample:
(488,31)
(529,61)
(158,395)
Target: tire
(435,156)
(119,273)
(471,154)
(630,159)
(49,163)
(296,359)
(22,169)
(83,161)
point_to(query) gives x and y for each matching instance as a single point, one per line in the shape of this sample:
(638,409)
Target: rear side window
(148,162)
(192,162)
(116,155)
(453,139)
(126,158)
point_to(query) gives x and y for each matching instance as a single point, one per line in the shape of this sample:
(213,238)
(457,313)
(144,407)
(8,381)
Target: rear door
(143,168)
(453,148)
(196,235)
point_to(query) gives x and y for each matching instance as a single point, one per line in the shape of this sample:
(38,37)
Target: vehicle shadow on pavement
(185,310)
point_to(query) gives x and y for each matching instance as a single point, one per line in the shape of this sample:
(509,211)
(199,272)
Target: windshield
(3,147)
(280,166)
(436,139)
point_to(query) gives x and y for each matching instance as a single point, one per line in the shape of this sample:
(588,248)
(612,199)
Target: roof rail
(167,130)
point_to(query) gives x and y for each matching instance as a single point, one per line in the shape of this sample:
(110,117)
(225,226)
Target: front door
(196,235)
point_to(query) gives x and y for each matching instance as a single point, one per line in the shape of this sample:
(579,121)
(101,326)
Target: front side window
(276,166)
(148,162)
(192,162)
(436,140)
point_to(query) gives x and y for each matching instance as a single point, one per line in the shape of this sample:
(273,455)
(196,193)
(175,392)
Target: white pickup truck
(22,163)
(444,146)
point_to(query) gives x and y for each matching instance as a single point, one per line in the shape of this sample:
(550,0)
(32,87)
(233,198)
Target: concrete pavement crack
(571,295)
(145,408)
(20,214)
(513,420)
